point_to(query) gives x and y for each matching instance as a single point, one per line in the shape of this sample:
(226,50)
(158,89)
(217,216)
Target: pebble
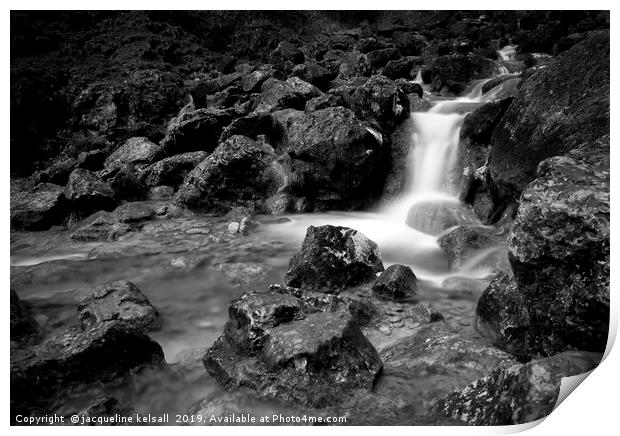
(198,230)
(385,330)
(233,228)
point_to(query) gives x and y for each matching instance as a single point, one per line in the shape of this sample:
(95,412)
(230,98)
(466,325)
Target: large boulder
(337,161)
(120,300)
(239,171)
(138,151)
(333,258)
(557,108)
(285,51)
(172,170)
(197,130)
(518,394)
(87,192)
(381,101)
(378,58)
(559,251)
(291,93)
(37,208)
(274,346)
(402,68)
(56,172)
(73,357)
(397,282)
(458,68)
(314,74)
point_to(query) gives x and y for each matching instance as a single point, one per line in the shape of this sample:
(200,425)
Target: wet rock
(73,357)
(556,109)
(138,151)
(409,43)
(122,301)
(37,208)
(240,171)
(502,315)
(88,193)
(463,242)
(314,74)
(172,170)
(197,130)
(24,328)
(378,58)
(433,217)
(131,213)
(346,64)
(126,184)
(459,68)
(291,93)
(323,102)
(559,250)
(285,51)
(333,258)
(314,359)
(433,361)
(57,172)
(402,68)
(337,161)
(242,274)
(158,193)
(396,282)
(101,226)
(380,100)
(518,394)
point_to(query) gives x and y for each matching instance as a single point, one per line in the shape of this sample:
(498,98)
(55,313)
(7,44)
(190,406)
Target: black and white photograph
(306,217)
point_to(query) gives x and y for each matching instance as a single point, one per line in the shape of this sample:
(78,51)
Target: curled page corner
(568,385)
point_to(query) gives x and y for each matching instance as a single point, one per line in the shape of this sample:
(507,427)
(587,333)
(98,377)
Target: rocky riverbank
(170,170)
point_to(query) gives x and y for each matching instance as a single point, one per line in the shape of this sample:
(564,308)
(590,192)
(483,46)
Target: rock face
(138,151)
(88,193)
(556,109)
(240,171)
(336,159)
(172,170)
(333,258)
(396,282)
(121,300)
(517,394)
(24,328)
(103,352)
(37,208)
(559,250)
(274,346)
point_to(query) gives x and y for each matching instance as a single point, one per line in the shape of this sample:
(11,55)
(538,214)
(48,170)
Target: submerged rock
(272,345)
(464,242)
(333,258)
(38,208)
(517,394)
(433,217)
(396,282)
(120,300)
(100,353)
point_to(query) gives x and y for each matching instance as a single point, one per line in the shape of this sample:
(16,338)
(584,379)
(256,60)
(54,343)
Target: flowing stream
(190,272)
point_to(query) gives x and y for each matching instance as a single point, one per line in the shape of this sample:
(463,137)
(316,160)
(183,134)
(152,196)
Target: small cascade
(418,78)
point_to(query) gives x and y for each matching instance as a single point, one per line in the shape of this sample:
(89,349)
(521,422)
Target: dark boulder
(458,68)
(559,250)
(337,161)
(314,359)
(397,282)
(252,81)
(333,258)
(381,101)
(126,183)
(314,74)
(409,43)
(138,152)
(122,301)
(556,109)
(172,170)
(291,93)
(92,160)
(24,328)
(197,130)
(88,193)
(378,58)
(101,353)
(285,51)
(517,394)
(101,226)
(402,68)
(134,212)
(239,171)
(37,208)
(57,172)
(323,102)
